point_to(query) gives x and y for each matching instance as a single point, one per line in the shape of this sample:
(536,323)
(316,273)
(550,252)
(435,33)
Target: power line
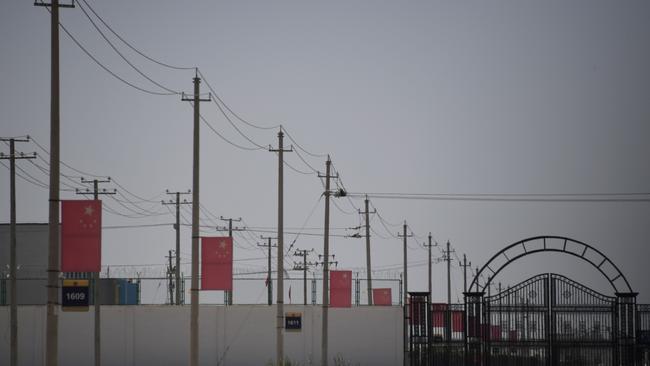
(297,170)
(115,227)
(301,148)
(235,127)
(64,164)
(106,68)
(29,178)
(216,95)
(305,162)
(225,139)
(121,55)
(132,47)
(583,197)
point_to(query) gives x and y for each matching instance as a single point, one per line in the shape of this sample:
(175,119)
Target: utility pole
(177,227)
(170,273)
(448,312)
(12,243)
(228,294)
(53,265)
(96,297)
(279,321)
(194,291)
(428,246)
(465,265)
(268,276)
(303,253)
(368,267)
(405,291)
(326,255)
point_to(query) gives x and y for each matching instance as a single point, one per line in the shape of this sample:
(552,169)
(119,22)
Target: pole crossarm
(279,322)
(177,228)
(12,157)
(96,293)
(195,99)
(405,237)
(366,215)
(269,246)
(42,3)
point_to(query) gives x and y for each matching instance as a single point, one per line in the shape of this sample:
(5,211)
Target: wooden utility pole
(269,284)
(305,265)
(405,291)
(53,263)
(429,246)
(448,312)
(279,321)
(228,294)
(170,274)
(194,291)
(13,353)
(96,297)
(326,255)
(368,266)
(177,227)
(465,265)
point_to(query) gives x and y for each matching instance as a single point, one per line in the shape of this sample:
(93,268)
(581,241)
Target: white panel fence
(235,335)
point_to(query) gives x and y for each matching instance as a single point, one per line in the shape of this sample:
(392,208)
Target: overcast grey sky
(415,96)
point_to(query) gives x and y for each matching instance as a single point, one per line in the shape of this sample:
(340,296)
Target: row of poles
(53,268)
(97,313)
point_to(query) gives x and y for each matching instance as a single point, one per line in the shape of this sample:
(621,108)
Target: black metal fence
(545,320)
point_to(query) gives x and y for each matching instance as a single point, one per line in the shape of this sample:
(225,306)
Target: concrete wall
(235,335)
(31,259)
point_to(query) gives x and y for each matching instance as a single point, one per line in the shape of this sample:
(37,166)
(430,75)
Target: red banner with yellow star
(382,296)
(81,235)
(216,263)
(340,289)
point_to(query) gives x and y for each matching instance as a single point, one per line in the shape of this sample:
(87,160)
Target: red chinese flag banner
(438,315)
(382,296)
(340,289)
(216,263)
(457,324)
(81,235)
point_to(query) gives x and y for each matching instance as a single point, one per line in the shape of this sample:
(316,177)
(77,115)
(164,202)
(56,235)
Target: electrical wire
(584,197)
(122,55)
(63,163)
(216,95)
(131,46)
(34,182)
(305,162)
(115,227)
(106,68)
(46,172)
(223,138)
(137,206)
(311,213)
(295,169)
(235,127)
(300,147)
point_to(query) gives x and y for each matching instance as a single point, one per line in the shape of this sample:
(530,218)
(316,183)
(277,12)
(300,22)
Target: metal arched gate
(546,320)
(550,320)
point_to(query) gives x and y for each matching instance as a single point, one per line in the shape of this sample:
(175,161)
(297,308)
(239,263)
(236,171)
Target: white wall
(236,335)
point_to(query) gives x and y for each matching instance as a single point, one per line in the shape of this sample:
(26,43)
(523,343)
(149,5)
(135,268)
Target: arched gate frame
(558,320)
